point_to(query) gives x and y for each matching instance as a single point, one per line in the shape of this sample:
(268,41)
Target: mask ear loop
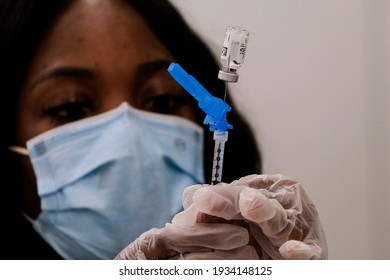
(24,152)
(18,150)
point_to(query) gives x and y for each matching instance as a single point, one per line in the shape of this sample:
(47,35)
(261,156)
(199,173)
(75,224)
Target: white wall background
(315,87)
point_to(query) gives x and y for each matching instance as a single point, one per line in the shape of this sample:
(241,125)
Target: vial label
(234,48)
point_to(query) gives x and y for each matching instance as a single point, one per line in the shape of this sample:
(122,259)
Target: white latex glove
(282,220)
(195,241)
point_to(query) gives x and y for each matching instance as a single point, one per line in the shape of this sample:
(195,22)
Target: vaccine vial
(233,53)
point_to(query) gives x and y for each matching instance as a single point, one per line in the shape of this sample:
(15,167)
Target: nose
(113,98)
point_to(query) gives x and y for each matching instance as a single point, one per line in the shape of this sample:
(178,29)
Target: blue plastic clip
(214,107)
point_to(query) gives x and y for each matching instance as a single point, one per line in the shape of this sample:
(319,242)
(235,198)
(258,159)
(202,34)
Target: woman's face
(98,54)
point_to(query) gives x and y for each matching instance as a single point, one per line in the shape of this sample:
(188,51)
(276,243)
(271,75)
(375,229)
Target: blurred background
(315,87)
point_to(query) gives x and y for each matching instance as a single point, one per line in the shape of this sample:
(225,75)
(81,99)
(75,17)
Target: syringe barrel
(220,138)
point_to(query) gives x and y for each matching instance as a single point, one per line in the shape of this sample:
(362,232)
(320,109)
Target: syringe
(215,109)
(232,57)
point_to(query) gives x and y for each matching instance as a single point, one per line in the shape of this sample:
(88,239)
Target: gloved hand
(193,241)
(282,220)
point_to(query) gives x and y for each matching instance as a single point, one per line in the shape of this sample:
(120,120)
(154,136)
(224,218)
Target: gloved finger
(220,200)
(214,236)
(275,186)
(243,253)
(268,213)
(146,247)
(296,250)
(173,239)
(245,203)
(189,192)
(191,216)
(240,203)
(187,217)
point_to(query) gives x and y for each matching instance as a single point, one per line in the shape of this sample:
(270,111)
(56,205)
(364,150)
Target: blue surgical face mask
(105,180)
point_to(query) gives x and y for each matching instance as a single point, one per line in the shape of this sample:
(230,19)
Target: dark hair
(23,23)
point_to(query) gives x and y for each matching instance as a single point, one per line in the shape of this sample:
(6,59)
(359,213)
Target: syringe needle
(224,96)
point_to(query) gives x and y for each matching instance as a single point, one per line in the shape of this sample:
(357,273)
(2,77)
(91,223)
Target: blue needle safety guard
(214,107)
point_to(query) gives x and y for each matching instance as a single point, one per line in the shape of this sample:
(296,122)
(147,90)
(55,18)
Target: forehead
(90,29)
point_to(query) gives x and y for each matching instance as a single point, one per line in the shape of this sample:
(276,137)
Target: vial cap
(228,77)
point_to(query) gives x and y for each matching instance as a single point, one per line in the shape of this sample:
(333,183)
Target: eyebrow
(72,72)
(142,72)
(149,68)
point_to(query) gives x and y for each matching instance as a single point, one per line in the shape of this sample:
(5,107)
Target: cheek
(30,200)
(23,126)
(28,126)
(189,113)
(29,175)
(29,120)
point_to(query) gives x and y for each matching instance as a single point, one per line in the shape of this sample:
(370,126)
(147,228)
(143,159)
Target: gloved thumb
(142,249)
(297,250)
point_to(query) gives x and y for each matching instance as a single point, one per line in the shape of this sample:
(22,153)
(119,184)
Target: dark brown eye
(166,103)
(70,111)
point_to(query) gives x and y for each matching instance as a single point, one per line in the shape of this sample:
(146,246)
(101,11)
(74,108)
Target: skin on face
(98,54)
